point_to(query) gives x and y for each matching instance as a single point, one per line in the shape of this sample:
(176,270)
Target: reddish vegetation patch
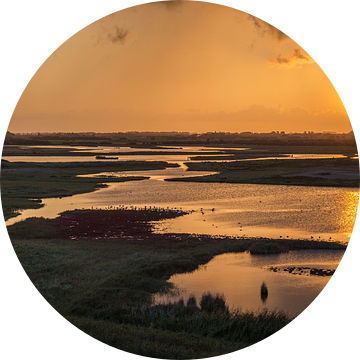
(107,224)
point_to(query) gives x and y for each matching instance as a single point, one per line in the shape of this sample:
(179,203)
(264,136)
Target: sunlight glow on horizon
(200,67)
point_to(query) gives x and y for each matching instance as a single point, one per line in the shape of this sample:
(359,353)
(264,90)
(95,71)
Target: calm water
(174,158)
(239,209)
(229,209)
(218,208)
(239,278)
(122,150)
(110,149)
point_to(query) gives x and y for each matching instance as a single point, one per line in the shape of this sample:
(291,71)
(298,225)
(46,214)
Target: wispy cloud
(118,36)
(295,58)
(265,29)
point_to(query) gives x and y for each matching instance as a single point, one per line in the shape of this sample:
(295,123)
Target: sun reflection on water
(347,212)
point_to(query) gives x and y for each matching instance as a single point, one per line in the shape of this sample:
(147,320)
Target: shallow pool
(239,277)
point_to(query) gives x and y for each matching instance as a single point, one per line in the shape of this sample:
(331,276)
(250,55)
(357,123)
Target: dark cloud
(172,4)
(118,36)
(294,58)
(264,28)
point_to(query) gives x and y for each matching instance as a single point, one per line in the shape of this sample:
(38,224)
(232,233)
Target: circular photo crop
(180,180)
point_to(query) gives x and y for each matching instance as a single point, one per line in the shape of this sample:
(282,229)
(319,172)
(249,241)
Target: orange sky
(179,66)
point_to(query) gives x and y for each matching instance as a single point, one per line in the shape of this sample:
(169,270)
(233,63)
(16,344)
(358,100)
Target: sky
(179,66)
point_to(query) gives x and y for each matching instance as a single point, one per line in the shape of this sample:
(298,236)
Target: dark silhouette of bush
(213,303)
(191,303)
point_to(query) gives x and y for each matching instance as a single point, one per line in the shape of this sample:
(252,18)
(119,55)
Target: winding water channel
(271,211)
(248,210)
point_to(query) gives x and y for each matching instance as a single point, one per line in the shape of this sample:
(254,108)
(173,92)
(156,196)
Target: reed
(237,326)
(191,303)
(105,286)
(213,303)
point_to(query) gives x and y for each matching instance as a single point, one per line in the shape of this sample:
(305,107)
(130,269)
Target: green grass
(278,172)
(152,342)
(254,151)
(21,183)
(14,150)
(106,287)
(235,326)
(22,188)
(106,291)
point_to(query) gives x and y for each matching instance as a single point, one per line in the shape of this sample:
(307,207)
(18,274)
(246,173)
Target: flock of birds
(158,209)
(168,210)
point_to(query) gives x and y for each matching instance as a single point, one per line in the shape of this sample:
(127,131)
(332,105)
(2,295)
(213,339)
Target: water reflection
(179,154)
(264,292)
(239,278)
(161,175)
(348,210)
(239,209)
(175,157)
(271,211)
(316,156)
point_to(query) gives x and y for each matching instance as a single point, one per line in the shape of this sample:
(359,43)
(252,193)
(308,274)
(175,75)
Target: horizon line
(279,132)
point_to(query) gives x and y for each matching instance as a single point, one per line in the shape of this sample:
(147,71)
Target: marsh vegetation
(335,172)
(105,288)
(101,268)
(23,185)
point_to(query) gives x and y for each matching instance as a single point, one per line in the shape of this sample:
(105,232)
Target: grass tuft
(105,285)
(213,303)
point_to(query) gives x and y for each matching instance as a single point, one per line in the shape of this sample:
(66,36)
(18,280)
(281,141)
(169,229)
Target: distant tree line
(183,138)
